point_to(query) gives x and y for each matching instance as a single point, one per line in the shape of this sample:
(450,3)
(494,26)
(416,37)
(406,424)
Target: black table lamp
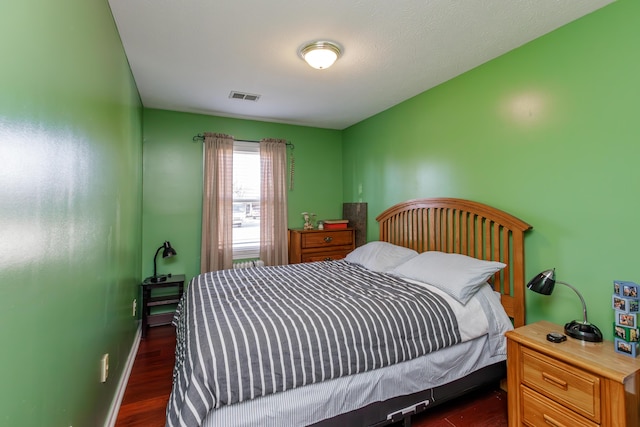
(167,252)
(543,284)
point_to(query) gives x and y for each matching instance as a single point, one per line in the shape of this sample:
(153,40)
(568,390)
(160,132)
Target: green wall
(172,195)
(548,132)
(552,124)
(70,211)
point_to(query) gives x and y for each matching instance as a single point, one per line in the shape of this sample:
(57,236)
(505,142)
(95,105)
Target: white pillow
(458,275)
(380,256)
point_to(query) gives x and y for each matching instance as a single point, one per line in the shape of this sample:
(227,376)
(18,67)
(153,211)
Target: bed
(345,342)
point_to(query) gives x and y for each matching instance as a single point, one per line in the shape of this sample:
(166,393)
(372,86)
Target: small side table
(148,301)
(573,383)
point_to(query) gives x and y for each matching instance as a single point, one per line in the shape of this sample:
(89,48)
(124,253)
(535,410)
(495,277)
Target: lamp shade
(168,251)
(320,54)
(544,282)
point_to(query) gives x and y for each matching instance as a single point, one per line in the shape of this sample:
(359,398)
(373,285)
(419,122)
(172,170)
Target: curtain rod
(200,137)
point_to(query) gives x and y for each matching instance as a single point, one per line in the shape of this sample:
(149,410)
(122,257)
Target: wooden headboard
(468,228)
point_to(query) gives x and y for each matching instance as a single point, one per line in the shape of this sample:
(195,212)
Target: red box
(338,226)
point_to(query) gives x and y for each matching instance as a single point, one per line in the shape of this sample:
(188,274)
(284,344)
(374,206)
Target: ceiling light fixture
(320,54)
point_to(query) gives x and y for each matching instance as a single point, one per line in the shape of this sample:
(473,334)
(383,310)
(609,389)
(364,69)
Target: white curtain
(273,202)
(217,204)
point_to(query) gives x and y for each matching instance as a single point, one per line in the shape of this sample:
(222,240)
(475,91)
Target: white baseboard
(124,379)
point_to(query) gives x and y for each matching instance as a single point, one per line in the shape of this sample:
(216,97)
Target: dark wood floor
(483,408)
(147,393)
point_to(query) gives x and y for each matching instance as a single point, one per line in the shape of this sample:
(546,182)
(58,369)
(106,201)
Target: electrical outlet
(135,307)
(104,368)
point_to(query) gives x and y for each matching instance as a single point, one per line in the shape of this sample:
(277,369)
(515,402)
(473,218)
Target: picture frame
(628,320)
(626,289)
(620,332)
(627,334)
(617,288)
(626,348)
(619,303)
(630,290)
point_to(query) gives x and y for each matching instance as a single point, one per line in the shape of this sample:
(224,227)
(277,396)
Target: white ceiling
(188,55)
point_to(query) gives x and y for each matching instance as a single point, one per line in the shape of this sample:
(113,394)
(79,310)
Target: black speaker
(356,213)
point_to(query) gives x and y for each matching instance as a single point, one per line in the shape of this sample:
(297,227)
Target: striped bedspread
(247,333)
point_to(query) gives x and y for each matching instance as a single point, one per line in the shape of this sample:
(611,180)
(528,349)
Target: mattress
(317,402)
(482,324)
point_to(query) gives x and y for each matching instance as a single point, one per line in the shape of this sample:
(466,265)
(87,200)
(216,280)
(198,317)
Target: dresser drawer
(327,239)
(537,410)
(569,386)
(320,245)
(325,256)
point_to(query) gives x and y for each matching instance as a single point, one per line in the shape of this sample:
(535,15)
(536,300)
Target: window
(246,200)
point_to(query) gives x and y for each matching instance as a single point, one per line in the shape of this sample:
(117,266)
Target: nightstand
(573,383)
(175,288)
(320,245)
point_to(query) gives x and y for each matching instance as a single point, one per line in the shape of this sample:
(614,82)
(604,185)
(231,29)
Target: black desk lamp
(166,253)
(543,284)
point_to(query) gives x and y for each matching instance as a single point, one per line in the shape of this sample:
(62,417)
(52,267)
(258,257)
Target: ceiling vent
(244,96)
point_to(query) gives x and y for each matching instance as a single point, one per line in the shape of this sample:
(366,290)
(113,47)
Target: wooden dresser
(319,245)
(573,383)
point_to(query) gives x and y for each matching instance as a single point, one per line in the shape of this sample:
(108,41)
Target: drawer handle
(555,381)
(551,421)
(328,239)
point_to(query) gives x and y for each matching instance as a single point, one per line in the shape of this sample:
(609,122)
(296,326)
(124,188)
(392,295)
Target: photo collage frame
(626,303)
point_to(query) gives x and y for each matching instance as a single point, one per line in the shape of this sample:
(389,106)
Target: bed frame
(468,228)
(453,226)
